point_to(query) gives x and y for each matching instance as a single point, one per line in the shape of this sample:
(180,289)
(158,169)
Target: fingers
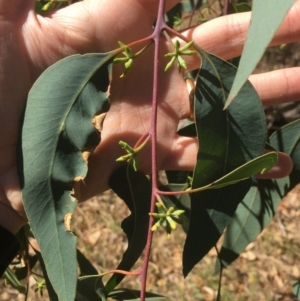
(126,19)
(10,219)
(225,36)
(278,86)
(282,169)
(10,191)
(182,155)
(12,214)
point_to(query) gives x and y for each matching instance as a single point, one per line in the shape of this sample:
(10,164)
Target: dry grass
(264,272)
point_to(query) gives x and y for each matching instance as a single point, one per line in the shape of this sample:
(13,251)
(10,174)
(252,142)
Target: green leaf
(134,295)
(239,7)
(287,140)
(261,164)
(266,18)
(85,266)
(57,128)
(52,294)
(38,7)
(177,176)
(88,289)
(260,204)
(190,5)
(188,129)
(12,280)
(253,214)
(296,289)
(134,188)
(228,139)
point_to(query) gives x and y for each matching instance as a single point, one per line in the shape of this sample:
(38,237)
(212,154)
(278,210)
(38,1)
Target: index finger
(226,36)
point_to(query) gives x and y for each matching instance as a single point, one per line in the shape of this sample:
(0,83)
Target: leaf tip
(228,102)
(185,271)
(187,266)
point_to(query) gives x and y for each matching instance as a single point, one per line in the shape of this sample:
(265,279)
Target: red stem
(226,7)
(160,25)
(141,140)
(155,37)
(122,273)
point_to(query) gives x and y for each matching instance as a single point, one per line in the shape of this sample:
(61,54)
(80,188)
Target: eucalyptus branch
(225,7)
(132,152)
(231,144)
(160,25)
(206,187)
(129,56)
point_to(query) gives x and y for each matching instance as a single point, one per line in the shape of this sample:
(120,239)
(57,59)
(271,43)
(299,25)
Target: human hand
(31,43)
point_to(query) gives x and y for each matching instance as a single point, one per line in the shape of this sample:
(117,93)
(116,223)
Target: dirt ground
(264,272)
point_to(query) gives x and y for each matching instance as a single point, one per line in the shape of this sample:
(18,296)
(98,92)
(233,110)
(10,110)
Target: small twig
(226,7)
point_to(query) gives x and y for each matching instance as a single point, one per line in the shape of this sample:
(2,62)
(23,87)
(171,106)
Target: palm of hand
(38,42)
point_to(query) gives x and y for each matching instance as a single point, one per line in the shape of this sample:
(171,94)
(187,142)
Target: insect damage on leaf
(98,121)
(85,155)
(77,184)
(68,221)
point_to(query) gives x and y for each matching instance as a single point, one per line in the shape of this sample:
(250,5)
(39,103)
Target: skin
(30,43)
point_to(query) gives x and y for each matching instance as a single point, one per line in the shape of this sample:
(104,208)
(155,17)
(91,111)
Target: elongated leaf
(260,204)
(177,176)
(85,266)
(239,7)
(228,139)
(134,189)
(296,289)
(287,140)
(87,288)
(260,164)
(57,129)
(52,294)
(266,18)
(188,129)
(12,280)
(253,214)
